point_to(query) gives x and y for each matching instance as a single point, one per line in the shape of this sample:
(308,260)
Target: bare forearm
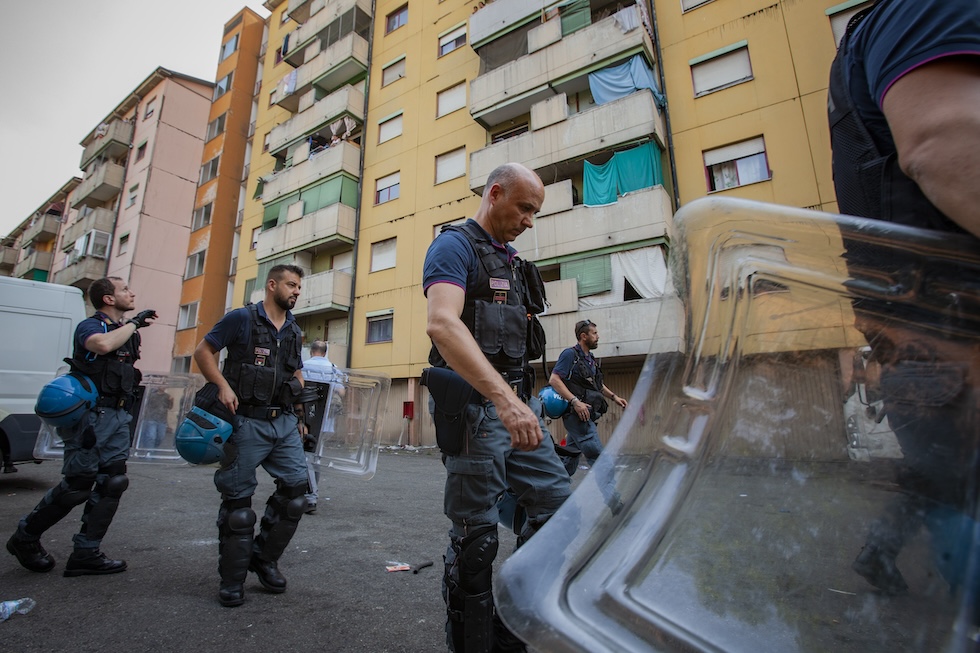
(103,343)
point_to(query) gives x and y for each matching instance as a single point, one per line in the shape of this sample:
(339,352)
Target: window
(390,128)
(141,151)
(215,127)
(451,99)
(393,72)
(255,238)
(379,327)
(396,19)
(736,165)
(187,318)
(222,86)
(229,47)
(209,170)
(343,262)
(181,365)
(721,69)
(453,40)
(841,15)
(123,244)
(249,289)
(92,243)
(451,165)
(687,5)
(436,230)
(201,217)
(265,142)
(383,254)
(131,196)
(594,275)
(150,108)
(387,188)
(510,132)
(195,265)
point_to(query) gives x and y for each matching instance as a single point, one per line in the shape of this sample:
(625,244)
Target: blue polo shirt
(451,259)
(233,329)
(98,323)
(896,37)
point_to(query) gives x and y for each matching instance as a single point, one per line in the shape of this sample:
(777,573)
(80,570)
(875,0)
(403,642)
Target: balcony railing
(333,223)
(511,89)
(299,10)
(102,184)
(240,218)
(345,101)
(325,292)
(99,219)
(343,157)
(329,70)
(112,144)
(8,257)
(44,229)
(301,38)
(601,128)
(642,215)
(36,262)
(82,272)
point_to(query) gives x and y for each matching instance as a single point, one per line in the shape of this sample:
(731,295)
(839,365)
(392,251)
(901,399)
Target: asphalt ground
(340,596)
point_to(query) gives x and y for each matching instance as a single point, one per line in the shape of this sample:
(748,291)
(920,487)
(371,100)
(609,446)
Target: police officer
(259,384)
(96,449)
(479,303)
(904,91)
(577,378)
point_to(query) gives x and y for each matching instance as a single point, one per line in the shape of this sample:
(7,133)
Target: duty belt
(516,382)
(118,402)
(261,412)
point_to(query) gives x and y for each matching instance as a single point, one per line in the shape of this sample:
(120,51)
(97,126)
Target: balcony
(642,215)
(641,326)
(327,71)
(300,10)
(561,67)
(304,36)
(98,219)
(102,184)
(8,257)
(111,145)
(344,157)
(82,272)
(330,225)
(494,18)
(325,292)
(44,229)
(601,128)
(36,267)
(346,101)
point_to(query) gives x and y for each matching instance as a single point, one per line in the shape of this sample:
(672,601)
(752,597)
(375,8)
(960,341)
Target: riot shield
(800,472)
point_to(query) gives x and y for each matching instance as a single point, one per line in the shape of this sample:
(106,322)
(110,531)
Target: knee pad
(241,520)
(296,507)
(114,486)
(475,559)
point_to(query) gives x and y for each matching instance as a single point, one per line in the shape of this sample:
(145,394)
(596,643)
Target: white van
(37,324)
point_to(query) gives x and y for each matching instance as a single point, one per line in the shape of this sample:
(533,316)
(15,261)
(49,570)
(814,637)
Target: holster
(451,394)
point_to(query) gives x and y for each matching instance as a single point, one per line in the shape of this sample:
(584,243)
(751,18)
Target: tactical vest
(869,182)
(258,371)
(586,384)
(500,306)
(112,373)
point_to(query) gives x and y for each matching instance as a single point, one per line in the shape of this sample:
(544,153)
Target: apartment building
(218,210)
(28,251)
(130,215)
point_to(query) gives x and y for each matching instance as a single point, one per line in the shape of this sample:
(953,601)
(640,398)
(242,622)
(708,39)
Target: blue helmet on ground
(554,404)
(62,402)
(201,437)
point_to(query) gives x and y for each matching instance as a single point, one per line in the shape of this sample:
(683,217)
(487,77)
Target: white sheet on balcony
(645,269)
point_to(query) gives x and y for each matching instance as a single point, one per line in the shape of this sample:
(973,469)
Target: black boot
(282,514)
(878,567)
(31,555)
(235,533)
(92,563)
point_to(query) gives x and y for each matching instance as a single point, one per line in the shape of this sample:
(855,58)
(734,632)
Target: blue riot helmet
(201,437)
(62,402)
(554,404)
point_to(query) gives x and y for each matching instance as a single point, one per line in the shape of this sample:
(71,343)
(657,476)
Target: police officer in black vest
(259,386)
(96,449)
(905,131)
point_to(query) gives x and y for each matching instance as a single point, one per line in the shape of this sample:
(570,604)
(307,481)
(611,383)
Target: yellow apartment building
(212,250)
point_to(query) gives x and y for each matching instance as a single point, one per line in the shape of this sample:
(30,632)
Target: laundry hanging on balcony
(626,171)
(614,82)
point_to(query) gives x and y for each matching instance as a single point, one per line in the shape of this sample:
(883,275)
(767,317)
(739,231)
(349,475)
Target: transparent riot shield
(800,473)
(350,432)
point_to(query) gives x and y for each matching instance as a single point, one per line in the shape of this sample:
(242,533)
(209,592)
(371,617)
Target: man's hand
(581,409)
(228,397)
(303,429)
(522,424)
(620,401)
(142,318)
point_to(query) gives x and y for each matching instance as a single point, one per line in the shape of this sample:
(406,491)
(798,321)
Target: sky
(66,64)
